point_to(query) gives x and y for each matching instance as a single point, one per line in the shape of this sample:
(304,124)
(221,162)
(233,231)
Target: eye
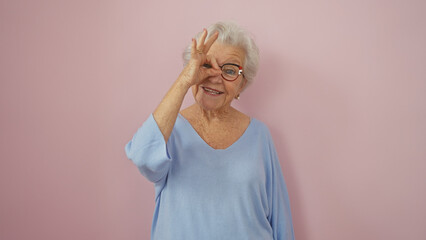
(206,65)
(230,70)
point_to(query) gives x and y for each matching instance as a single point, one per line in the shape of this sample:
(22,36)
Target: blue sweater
(203,193)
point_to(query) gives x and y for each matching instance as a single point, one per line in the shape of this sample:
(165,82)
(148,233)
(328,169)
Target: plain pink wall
(341,85)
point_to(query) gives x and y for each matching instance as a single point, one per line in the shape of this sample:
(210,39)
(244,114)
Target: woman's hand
(201,65)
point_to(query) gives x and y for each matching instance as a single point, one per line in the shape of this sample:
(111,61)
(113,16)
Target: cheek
(234,89)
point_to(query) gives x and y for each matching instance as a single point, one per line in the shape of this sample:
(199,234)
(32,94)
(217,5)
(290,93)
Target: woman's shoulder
(188,113)
(260,129)
(259,124)
(242,116)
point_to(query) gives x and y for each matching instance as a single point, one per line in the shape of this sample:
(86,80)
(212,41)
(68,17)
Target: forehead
(225,53)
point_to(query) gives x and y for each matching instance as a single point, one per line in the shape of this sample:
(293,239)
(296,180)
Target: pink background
(341,85)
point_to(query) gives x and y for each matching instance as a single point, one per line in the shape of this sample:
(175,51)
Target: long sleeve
(279,214)
(148,151)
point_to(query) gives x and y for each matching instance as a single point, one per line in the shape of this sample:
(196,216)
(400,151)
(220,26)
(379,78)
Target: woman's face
(209,100)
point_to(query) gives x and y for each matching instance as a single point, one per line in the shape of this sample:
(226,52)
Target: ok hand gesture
(196,70)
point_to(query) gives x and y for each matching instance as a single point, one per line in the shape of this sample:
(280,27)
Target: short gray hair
(232,34)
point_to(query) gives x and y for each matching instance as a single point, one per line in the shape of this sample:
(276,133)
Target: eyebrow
(232,60)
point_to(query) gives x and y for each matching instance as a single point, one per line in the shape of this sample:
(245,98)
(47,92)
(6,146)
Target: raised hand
(195,72)
(201,65)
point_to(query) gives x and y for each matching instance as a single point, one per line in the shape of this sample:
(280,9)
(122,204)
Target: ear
(243,84)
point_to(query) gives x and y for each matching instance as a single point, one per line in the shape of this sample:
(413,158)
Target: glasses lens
(230,72)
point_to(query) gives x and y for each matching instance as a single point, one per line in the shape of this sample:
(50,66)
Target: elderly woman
(215,169)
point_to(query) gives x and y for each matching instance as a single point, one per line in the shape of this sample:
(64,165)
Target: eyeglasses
(230,71)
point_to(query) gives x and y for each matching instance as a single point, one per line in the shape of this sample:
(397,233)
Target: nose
(216,77)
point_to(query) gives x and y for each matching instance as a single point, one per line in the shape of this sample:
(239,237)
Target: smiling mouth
(211,91)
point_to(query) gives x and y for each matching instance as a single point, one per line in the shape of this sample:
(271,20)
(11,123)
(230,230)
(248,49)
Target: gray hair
(232,34)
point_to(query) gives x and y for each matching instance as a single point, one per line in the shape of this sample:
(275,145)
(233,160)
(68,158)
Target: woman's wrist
(183,82)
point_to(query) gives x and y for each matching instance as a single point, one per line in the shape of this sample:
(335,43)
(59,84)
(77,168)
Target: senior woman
(215,170)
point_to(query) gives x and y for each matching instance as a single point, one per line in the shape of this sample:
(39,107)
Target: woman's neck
(211,116)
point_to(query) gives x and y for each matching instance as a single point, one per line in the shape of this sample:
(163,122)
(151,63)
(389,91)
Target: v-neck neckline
(219,149)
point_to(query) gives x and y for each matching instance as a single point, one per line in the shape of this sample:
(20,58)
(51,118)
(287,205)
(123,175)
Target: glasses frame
(240,71)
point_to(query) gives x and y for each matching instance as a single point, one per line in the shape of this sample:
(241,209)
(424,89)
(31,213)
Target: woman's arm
(279,211)
(166,113)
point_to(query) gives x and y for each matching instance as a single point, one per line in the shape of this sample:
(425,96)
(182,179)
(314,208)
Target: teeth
(211,91)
